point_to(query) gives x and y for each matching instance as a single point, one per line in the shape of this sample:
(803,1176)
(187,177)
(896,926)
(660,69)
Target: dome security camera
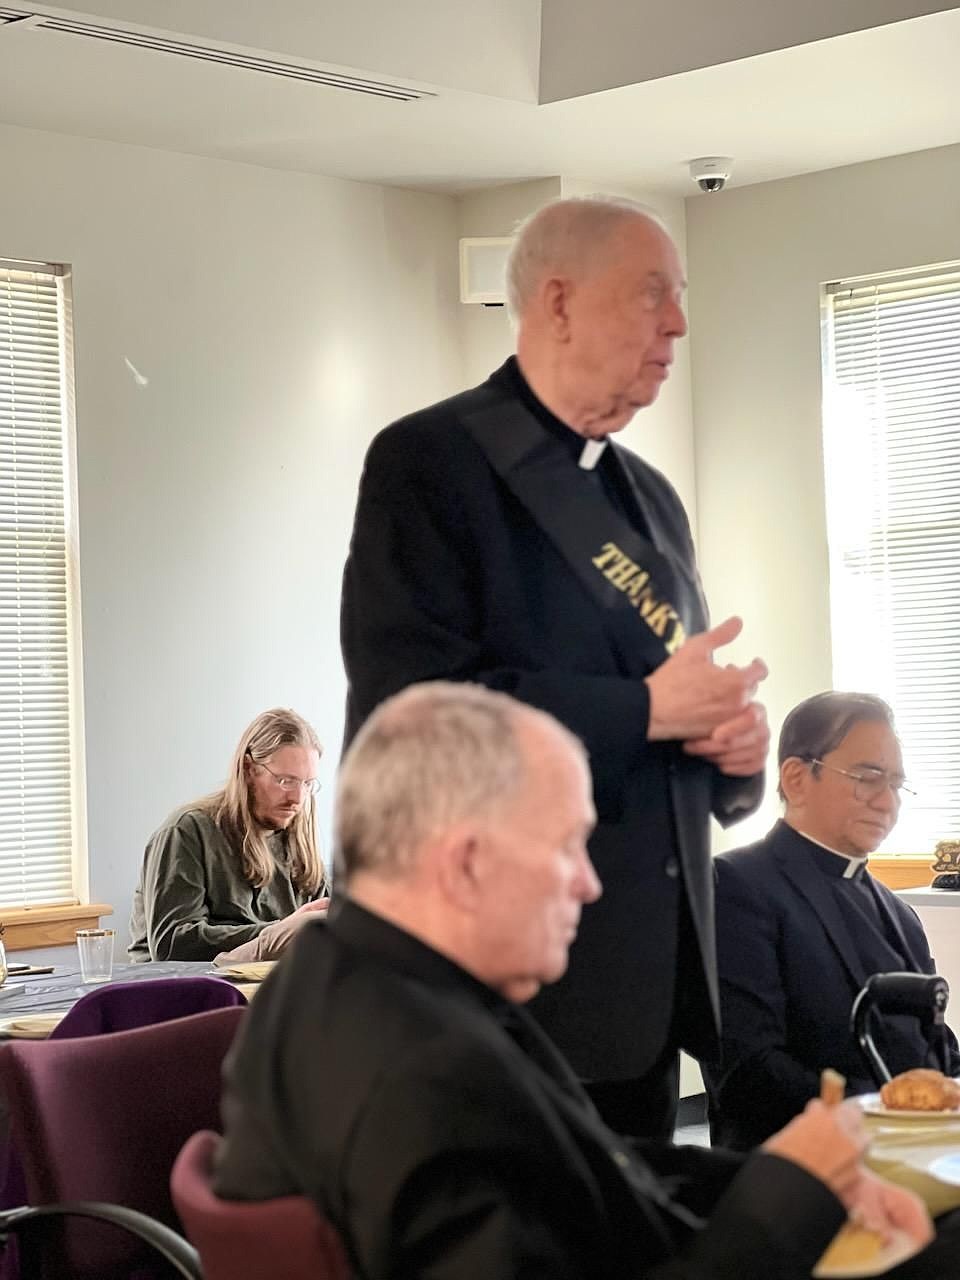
(710,173)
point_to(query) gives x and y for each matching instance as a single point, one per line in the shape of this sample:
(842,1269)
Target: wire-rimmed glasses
(869,783)
(287,783)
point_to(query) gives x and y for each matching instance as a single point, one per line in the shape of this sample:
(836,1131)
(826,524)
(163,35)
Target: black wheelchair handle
(916,993)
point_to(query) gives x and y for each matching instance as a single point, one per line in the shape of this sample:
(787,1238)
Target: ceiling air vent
(222,57)
(13,15)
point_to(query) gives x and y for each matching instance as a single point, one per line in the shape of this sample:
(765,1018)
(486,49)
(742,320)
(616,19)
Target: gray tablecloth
(46,992)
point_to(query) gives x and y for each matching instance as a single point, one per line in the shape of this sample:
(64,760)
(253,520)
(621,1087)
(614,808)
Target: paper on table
(31,1026)
(253,971)
(898,1250)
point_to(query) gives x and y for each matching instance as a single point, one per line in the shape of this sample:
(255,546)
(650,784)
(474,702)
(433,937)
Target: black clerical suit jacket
(446,1139)
(793,954)
(482,552)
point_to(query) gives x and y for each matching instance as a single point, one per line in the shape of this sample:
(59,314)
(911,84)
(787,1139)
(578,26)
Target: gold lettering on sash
(622,573)
(608,552)
(658,618)
(638,589)
(627,576)
(677,639)
(640,594)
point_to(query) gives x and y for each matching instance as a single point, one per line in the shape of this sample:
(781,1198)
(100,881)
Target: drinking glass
(96,954)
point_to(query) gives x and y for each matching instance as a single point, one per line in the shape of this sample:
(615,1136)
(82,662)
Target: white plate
(946,1168)
(872,1106)
(898,1250)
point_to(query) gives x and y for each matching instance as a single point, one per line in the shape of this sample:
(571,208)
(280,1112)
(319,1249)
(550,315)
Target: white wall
(280,320)
(757,258)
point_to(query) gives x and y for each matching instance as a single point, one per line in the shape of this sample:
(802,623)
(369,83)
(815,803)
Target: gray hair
(818,725)
(434,755)
(560,236)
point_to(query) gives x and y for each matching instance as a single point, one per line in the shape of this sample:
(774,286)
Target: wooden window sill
(903,871)
(29,927)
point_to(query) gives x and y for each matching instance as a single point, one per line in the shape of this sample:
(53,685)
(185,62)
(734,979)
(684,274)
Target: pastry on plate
(921,1090)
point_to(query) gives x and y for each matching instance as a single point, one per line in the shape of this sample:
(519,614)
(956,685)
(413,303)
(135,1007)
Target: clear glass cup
(96,954)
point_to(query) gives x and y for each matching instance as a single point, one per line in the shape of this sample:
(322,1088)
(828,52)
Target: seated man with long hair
(239,870)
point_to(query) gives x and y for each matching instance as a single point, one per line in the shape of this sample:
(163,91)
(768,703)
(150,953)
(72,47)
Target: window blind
(892,461)
(36,792)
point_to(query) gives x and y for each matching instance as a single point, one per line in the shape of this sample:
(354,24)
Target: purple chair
(284,1239)
(122,1006)
(102,1119)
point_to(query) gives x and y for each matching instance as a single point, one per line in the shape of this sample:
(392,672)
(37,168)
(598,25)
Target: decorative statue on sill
(947,862)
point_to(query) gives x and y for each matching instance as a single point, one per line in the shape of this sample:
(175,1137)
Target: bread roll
(921,1090)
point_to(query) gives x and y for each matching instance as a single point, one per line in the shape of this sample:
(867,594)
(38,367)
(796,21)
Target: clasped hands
(711,710)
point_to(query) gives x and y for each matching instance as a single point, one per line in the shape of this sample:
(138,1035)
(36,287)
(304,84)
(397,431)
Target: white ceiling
(855,97)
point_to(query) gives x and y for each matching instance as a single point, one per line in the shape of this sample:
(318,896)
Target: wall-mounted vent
(221,57)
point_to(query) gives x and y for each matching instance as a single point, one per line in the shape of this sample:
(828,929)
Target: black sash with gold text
(650,602)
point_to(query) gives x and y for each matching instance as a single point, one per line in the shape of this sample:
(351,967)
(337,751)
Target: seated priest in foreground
(234,875)
(389,1071)
(802,925)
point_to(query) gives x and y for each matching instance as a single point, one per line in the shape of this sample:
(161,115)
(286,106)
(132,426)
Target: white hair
(560,236)
(430,757)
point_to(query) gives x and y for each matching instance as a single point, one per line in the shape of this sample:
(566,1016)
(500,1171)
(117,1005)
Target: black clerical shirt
(607,472)
(856,895)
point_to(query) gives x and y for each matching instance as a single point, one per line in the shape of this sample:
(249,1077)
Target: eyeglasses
(869,783)
(310,785)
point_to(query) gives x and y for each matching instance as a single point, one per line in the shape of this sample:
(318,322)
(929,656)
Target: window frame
(860,293)
(50,923)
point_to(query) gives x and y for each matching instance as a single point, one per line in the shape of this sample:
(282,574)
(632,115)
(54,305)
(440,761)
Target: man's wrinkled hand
(691,696)
(882,1207)
(739,747)
(829,1142)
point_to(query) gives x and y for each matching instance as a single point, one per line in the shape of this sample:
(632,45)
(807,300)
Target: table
(50,992)
(901,1150)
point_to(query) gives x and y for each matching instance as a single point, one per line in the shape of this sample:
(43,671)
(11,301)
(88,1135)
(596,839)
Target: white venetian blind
(892,458)
(36,795)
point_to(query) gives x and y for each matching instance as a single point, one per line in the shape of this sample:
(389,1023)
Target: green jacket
(192,901)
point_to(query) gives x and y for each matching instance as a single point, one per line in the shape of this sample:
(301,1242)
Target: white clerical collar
(853,864)
(591,453)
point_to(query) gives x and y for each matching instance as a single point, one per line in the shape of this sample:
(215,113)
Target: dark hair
(819,724)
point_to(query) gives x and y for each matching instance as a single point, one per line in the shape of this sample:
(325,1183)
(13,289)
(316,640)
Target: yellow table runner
(903,1150)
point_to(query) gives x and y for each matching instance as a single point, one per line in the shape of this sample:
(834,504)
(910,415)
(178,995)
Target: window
(892,459)
(41,820)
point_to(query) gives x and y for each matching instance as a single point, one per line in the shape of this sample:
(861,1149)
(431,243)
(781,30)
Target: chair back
(121,1006)
(285,1239)
(117,1007)
(103,1118)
